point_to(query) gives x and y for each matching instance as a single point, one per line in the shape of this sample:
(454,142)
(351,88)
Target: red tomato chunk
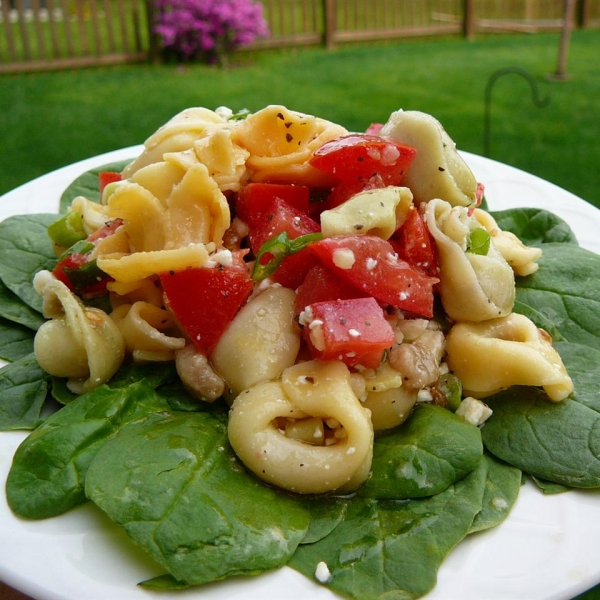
(205,300)
(371,264)
(360,162)
(354,331)
(281,217)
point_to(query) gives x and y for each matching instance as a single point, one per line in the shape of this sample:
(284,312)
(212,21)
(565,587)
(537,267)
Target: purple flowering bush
(209,29)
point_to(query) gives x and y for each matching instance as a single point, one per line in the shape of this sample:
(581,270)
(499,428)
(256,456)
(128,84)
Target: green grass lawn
(51,119)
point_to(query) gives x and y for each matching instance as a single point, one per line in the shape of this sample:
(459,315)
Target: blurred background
(82,77)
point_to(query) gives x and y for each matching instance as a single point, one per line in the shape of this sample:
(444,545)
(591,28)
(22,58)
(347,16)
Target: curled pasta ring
(306,390)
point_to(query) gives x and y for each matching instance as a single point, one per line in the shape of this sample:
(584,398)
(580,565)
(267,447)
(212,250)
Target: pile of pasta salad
(266,310)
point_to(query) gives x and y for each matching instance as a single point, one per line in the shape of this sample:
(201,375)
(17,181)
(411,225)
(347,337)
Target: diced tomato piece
(320,285)
(358,157)
(282,217)
(73,261)
(107,177)
(205,300)
(109,228)
(255,199)
(415,245)
(371,264)
(354,331)
(361,162)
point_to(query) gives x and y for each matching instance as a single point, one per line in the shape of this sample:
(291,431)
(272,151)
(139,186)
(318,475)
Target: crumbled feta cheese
(322,572)
(371,264)
(474,411)
(222,257)
(306,316)
(224,112)
(424,395)
(343,258)
(353,333)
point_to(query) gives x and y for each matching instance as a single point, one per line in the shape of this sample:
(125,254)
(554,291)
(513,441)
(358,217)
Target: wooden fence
(51,34)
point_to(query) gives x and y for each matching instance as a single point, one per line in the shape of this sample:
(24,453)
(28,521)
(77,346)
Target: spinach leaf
(12,308)
(431,451)
(88,185)
(501,491)
(25,249)
(563,297)
(49,468)
(394,548)
(534,226)
(326,513)
(17,341)
(560,442)
(173,483)
(23,390)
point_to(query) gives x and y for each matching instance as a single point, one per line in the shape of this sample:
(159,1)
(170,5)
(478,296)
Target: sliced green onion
(451,386)
(276,249)
(478,242)
(67,230)
(80,247)
(240,115)
(85,275)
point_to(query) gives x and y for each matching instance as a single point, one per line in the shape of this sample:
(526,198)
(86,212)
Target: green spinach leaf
(174,484)
(563,297)
(23,391)
(13,309)
(17,341)
(25,249)
(430,452)
(49,468)
(535,226)
(501,491)
(386,549)
(88,185)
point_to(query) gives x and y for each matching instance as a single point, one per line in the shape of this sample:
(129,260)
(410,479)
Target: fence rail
(51,34)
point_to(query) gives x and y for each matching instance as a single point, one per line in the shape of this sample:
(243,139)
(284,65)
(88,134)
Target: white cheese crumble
(353,333)
(371,264)
(221,257)
(474,411)
(343,258)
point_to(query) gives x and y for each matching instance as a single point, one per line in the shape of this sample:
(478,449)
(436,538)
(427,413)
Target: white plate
(546,550)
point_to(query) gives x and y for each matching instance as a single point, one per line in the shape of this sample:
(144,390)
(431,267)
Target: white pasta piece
(78,342)
(143,216)
(519,256)
(94,214)
(375,212)
(197,375)
(144,290)
(473,287)
(117,242)
(178,134)
(494,355)
(280,143)
(310,389)
(438,170)
(382,379)
(197,211)
(148,328)
(262,340)
(391,407)
(160,178)
(129,268)
(225,161)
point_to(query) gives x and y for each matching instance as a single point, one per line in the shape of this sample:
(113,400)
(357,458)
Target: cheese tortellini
(81,343)
(438,170)
(310,391)
(496,354)
(473,287)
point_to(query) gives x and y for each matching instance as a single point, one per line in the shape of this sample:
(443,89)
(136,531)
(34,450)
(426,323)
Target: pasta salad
(276,311)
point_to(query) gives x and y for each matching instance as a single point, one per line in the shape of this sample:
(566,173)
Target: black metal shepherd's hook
(535,96)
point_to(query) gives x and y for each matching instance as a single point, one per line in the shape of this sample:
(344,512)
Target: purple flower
(210,29)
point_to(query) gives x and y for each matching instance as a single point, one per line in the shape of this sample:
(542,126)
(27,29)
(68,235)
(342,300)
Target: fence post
(330,22)
(153,39)
(583,15)
(468,18)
